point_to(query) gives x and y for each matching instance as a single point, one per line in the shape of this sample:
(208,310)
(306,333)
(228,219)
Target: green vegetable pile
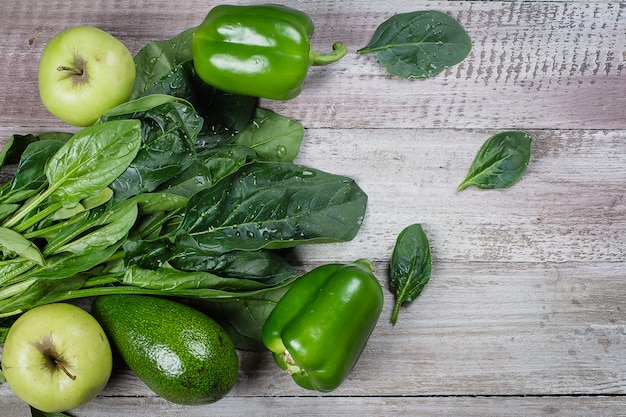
(185,190)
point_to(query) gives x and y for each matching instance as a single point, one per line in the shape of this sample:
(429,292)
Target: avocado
(180,353)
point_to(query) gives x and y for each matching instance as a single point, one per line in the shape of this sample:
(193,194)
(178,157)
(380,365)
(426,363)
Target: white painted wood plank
(355,406)
(568,207)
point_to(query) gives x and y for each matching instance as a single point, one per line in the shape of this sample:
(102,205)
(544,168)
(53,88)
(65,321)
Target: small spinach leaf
(272,136)
(30,175)
(410,266)
(419,44)
(13,244)
(14,147)
(501,161)
(158,58)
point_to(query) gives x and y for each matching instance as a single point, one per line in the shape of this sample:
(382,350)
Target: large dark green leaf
(263,265)
(274,205)
(419,44)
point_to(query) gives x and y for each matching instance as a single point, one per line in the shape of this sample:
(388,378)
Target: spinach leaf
(14,244)
(419,44)
(7,209)
(11,271)
(92,159)
(14,147)
(225,114)
(67,264)
(30,176)
(88,162)
(170,280)
(39,292)
(169,133)
(157,58)
(130,109)
(208,168)
(272,136)
(243,318)
(109,229)
(166,67)
(501,161)
(274,205)
(410,266)
(262,265)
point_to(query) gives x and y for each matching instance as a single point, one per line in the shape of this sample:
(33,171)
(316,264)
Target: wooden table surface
(525,312)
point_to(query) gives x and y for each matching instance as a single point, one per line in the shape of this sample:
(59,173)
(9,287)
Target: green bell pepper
(319,328)
(262,50)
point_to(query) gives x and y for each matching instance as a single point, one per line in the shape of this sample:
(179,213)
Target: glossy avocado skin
(180,353)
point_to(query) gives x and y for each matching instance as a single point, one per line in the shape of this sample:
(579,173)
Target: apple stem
(74,70)
(64,369)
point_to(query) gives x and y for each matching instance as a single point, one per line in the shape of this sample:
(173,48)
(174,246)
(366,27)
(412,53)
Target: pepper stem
(339,51)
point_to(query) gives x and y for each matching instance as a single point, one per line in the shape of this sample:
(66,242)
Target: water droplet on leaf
(281,151)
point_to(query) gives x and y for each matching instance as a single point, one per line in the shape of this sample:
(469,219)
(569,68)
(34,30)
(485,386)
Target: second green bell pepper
(318,329)
(260,50)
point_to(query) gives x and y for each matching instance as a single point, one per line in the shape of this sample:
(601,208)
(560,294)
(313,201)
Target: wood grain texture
(555,65)
(525,313)
(342,406)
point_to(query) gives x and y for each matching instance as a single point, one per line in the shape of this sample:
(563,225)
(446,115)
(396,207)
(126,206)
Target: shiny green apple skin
(56,357)
(84,72)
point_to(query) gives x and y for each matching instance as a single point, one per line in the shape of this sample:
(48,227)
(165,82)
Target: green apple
(84,72)
(56,357)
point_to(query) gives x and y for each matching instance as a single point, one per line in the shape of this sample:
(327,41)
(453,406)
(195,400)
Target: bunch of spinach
(183,191)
